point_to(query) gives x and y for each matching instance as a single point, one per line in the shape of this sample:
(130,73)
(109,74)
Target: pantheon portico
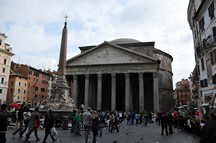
(122,75)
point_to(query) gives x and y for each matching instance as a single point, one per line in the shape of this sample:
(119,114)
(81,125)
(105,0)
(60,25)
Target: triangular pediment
(109,54)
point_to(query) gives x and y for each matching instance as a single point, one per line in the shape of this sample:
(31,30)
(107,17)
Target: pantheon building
(122,75)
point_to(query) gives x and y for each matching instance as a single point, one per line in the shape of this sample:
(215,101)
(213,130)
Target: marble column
(99,91)
(141,92)
(86,98)
(127,92)
(113,95)
(75,89)
(156,92)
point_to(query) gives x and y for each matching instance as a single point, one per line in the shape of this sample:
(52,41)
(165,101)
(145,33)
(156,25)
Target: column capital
(99,75)
(127,75)
(75,77)
(140,74)
(113,75)
(87,76)
(155,75)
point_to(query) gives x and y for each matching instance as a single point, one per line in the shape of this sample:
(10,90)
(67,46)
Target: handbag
(36,123)
(54,132)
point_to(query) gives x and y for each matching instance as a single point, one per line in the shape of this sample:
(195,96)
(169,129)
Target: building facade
(183,92)
(123,75)
(202,21)
(18,87)
(5,63)
(38,83)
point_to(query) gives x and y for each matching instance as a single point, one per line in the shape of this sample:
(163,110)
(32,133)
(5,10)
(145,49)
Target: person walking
(20,119)
(145,118)
(77,120)
(27,117)
(34,124)
(208,133)
(164,124)
(170,123)
(4,123)
(73,121)
(87,123)
(94,126)
(48,125)
(115,123)
(102,122)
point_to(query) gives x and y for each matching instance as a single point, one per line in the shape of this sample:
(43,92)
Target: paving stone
(127,134)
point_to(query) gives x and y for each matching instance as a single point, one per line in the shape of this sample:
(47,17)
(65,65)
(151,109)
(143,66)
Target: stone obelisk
(60,99)
(63,50)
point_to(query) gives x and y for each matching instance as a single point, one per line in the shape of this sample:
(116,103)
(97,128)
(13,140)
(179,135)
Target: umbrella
(15,105)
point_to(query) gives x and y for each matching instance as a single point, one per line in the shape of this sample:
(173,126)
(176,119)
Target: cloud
(34,27)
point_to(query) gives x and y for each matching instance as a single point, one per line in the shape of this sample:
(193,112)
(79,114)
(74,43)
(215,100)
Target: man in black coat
(4,123)
(164,124)
(20,119)
(208,133)
(170,123)
(48,124)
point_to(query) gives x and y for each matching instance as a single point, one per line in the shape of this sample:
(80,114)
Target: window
(3,70)
(36,74)
(204,83)
(202,64)
(1,91)
(214,32)
(0,42)
(2,80)
(36,88)
(24,91)
(19,84)
(5,61)
(18,90)
(198,69)
(202,24)
(42,89)
(35,95)
(211,10)
(214,79)
(212,57)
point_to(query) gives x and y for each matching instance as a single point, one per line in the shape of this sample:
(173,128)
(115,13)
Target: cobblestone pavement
(128,134)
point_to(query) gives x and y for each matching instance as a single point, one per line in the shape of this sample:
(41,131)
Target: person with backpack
(27,117)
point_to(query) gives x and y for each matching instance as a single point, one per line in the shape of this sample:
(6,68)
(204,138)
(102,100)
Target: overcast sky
(34,28)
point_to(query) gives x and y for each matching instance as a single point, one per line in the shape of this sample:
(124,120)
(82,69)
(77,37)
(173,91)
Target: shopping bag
(54,132)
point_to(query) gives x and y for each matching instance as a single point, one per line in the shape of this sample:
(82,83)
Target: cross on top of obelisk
(66,17)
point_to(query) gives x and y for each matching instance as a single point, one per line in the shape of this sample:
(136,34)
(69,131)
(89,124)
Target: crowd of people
(86,121)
